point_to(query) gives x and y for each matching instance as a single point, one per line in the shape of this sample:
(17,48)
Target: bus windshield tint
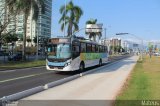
(60,51)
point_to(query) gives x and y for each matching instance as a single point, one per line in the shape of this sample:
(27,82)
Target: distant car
(125,53)
(15,57)
(156,54)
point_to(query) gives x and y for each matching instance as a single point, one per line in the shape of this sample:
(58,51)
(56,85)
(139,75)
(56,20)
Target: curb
(62,81)
(22,94)
(26,93)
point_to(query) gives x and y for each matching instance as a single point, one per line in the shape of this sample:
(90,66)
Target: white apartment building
(41,27)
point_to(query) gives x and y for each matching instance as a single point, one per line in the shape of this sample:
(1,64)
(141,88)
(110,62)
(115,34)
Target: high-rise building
(115,42)
(41,27)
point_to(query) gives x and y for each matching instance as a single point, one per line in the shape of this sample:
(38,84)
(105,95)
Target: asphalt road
(14,81)
(19,80)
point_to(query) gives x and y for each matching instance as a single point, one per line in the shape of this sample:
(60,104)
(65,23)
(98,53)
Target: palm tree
(5,19)
(24,7)
(71,17)
(93,34)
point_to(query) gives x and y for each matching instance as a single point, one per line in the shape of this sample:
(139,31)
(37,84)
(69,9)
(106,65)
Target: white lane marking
(13,79)
(6,71)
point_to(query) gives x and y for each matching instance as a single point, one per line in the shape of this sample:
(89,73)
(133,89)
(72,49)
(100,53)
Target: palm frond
(71,17)
(91,21)
(78,13)
(62,9)
(62,18)
(62,27)
(76,27)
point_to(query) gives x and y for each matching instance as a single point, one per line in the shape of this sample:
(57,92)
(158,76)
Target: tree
(150,47)
(10,38)
(93,34)
(24,7)
(71,17)
(7,14)
(119,49)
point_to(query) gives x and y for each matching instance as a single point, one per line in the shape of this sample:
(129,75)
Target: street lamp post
(37,46)
(137,38)
(105,38)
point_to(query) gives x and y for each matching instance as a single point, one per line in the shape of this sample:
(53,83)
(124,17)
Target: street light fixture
(137,38)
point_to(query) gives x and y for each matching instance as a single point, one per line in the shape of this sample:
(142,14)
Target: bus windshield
(59,51)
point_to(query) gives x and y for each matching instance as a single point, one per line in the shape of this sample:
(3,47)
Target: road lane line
(13,79)
(6,71)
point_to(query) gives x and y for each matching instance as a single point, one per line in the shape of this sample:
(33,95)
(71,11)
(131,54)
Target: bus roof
(59,39)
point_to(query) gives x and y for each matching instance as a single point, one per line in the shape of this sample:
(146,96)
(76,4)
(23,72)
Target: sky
(137,17)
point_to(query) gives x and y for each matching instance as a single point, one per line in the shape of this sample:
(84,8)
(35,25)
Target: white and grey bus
(76,53)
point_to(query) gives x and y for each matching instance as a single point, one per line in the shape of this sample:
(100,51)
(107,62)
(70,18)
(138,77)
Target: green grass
(21,64)
(143,84)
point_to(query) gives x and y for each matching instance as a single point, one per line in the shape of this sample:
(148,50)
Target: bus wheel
(81,67)
(100,62)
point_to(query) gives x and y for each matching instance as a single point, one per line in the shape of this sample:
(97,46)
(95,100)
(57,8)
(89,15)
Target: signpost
(94,28)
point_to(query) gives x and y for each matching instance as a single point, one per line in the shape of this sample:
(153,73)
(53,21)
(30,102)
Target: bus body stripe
(92,56)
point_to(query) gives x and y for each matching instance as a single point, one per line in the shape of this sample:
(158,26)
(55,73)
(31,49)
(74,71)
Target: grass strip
(21,64)
(143,83)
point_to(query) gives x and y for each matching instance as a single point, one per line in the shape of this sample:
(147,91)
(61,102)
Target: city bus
(75,53)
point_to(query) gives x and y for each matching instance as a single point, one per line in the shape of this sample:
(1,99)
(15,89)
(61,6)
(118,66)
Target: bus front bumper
(68,68)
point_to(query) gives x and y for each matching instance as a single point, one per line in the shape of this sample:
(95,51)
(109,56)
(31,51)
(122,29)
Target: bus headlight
(67,64)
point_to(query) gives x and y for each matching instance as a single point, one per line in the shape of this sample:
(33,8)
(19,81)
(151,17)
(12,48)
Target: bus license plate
(56,68)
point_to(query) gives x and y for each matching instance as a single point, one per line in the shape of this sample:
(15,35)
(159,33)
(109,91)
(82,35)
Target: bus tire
(100,62)
(81,67)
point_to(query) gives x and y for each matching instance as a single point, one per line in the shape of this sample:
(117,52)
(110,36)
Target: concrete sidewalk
(103,85)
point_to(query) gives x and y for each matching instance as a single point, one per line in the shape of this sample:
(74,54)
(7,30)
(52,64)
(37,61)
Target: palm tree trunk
(68,30)
(71,30)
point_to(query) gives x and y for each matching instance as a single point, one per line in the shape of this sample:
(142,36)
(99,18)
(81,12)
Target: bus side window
(93,48)
(100,49)
(103,49)
(106,49)
(97,49)
(76,51)
(83,48)
(89,48)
